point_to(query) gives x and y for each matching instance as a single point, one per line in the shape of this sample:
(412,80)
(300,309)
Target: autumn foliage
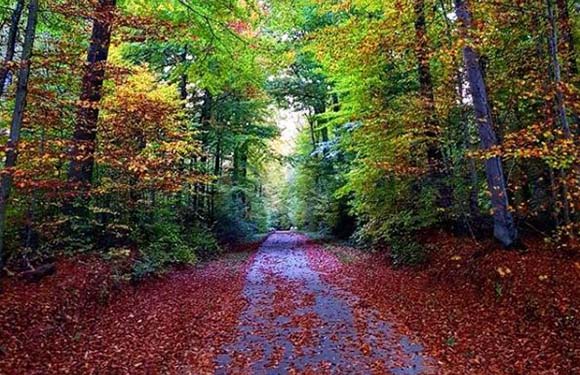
(143,137)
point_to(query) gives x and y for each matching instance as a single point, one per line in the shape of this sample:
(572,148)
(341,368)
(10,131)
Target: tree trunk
(17,119)
(556,69)
(240,175)
(10,44)
(320,124)
(216,172)
(82,153)
(504,227)
(568,45)
(311,125)
(207,112)
(560,105)
(434,155)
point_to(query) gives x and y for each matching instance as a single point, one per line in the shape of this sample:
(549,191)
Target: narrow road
(296,322)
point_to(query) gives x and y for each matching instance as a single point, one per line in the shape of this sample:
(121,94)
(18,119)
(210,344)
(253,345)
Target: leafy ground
(297,306)
(77,322)
(478,309)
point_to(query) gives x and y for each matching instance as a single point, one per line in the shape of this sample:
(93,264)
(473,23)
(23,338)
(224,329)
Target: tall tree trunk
(560,104)
(240,174)
(568,45)
(434,154)
(84,138)
(17,119)
(311,126)
(556,68)
(320,126)
(207,114)
(217,166)
(10,44)
(182,195)
(504,227)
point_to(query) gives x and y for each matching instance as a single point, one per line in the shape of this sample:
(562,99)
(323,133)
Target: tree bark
(17,120)
(10,44)
(560,104)
(568,45)
(217,166)
(504,227)
(556,68)
(207,113)
(240,175)
(84,138)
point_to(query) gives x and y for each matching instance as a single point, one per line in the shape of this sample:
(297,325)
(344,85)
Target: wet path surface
(295,323)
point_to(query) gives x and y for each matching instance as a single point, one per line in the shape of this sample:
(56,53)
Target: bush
(398,231)
(163,246)
(407,252)
(203,242)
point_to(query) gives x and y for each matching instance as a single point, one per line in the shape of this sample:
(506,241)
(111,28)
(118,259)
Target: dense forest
(149,123)
(150,134)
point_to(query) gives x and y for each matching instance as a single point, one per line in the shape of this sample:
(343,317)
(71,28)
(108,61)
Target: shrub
(163,246)
(203,242)
(407,252)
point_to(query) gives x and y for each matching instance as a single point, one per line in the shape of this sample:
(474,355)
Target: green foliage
(203,242)
(163,244)
(405,251)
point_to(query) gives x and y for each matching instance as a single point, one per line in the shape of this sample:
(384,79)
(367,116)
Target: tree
(504,227)
(82,153)
(17,119)
(432,133)
(11,44)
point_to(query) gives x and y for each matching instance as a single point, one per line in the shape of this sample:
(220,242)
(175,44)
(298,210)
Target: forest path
(295,321)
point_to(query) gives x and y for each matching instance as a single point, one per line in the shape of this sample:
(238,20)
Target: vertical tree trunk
(422,55)
(244,176)
(434,153)
(10,44)
(240,175)
(207,110)
(311,126)
(17,119)
(85,134)
(556,68)
(504,227)
(217,166)
(560,105)
(568,45)
(320,126)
